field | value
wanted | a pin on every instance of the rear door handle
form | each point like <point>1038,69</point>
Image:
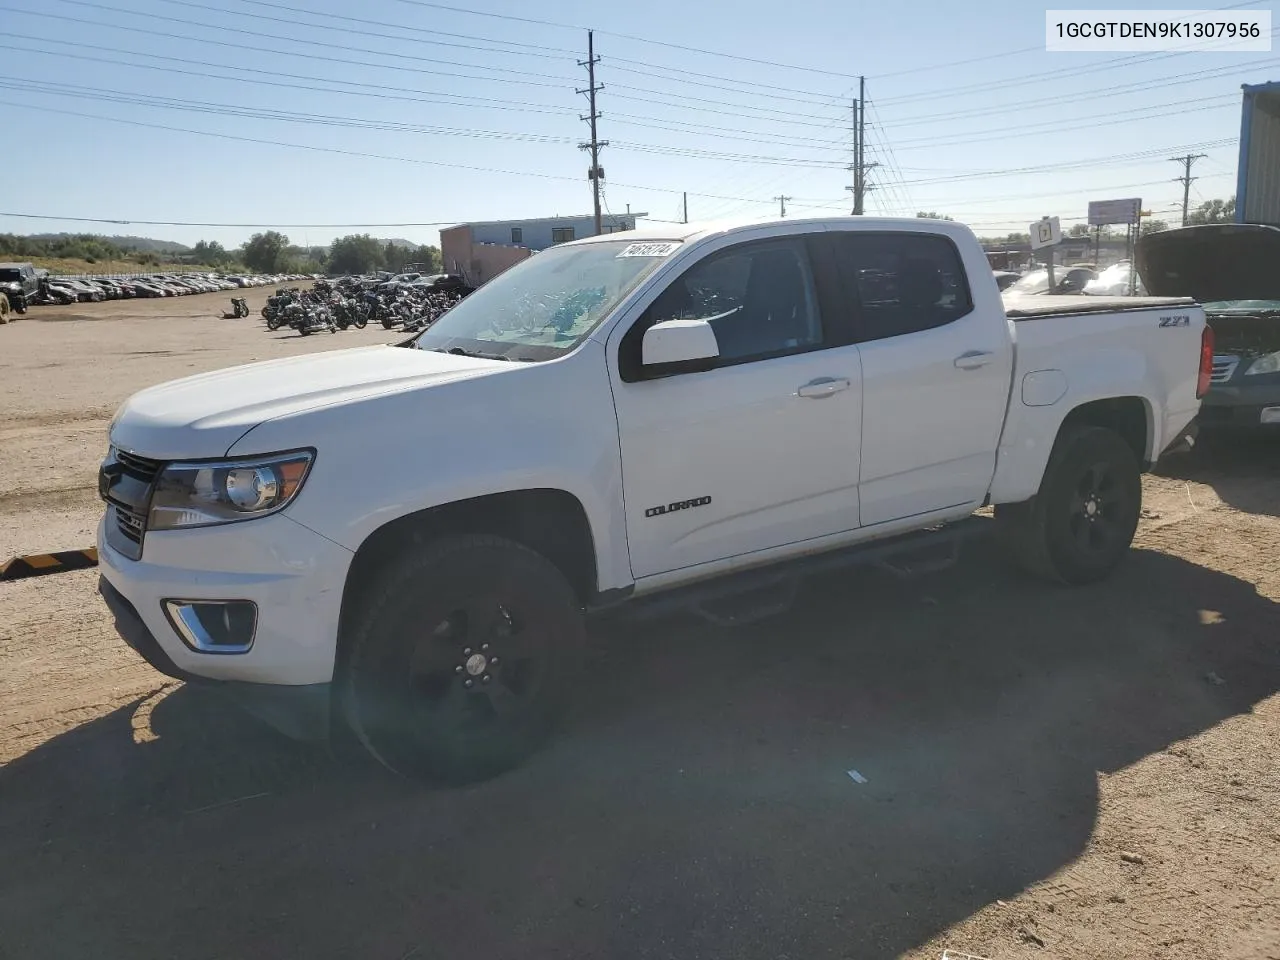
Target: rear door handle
<point>973,359</point>
<point>823,387</point>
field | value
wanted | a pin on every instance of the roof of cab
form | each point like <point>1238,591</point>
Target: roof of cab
<point>706,228</point>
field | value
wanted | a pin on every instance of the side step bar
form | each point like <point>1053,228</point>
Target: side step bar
<point>739,598</point>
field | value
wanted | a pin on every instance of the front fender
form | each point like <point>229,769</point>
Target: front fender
<point>547,425</point>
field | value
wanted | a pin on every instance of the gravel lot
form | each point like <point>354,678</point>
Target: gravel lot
<point>1049,772</point>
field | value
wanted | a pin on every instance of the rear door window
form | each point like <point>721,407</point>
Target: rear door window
<point>902,283</point>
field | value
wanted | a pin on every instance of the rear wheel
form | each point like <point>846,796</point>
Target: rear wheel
<point>463,661</point>
<point>1079,527</point>
<point>4,308</point>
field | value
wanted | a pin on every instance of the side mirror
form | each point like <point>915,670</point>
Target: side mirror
<point>678,346</point>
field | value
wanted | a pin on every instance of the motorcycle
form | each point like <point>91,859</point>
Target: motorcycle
<point>239,308</point>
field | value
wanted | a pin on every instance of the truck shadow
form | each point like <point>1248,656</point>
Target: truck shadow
<point>1242,469</point>
<point>698,804</point>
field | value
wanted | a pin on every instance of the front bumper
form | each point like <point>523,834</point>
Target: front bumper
<point>293,575</point>
<point>300,712</point>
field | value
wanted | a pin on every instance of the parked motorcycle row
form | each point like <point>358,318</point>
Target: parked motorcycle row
<point>355,302</point>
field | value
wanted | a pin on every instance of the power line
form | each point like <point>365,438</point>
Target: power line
<point>488,103</point>
<point>192,223</point>
<point>535,50</point>
<point>402,56</point>
<point>354,153</point>
<point>204,106</point>
<point>1064,72</point>
<point>1056,126</point>
<point>293,40</point>
<point>1170,80</point>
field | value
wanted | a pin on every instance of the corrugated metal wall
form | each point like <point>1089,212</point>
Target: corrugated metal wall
<point>1262,176</point>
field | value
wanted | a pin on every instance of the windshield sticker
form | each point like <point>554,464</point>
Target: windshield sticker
<point>662,248</point>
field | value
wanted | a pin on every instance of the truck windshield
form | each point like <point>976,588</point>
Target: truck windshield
<point>10,274</point>
<point>547,305</point>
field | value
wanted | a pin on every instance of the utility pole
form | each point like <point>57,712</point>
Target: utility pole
<point>1186,179</point>
<point>685,207</point>
<point>782,204</point>
<point>596,173</point>
<point>859,167</point>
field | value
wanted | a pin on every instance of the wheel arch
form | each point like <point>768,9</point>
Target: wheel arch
<point>551,522</point>
<point>1022,460</point>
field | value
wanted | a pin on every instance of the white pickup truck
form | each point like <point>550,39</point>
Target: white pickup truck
<point>404,540</point>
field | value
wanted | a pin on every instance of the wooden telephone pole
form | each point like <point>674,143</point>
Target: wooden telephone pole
<point>596,173</point>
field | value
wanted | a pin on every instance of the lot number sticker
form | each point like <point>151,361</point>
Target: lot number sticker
<point>659,249</point>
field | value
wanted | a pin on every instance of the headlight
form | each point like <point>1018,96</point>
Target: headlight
<point>202,494</point>
<point>1267,364</point>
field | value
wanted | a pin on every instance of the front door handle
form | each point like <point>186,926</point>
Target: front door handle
<point>973,359</point>
<point>823,387</point>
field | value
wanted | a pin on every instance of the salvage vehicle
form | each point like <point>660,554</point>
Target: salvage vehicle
<point>403,541</point>
<point>1067,280</point>
<point>1231,268</point>
<point>1115,281</point>
<point>19,286</point>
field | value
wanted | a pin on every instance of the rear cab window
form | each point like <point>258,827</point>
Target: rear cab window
<point>902,283</point>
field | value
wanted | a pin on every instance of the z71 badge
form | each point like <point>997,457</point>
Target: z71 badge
<point>1177,320</point>
<point>678,505</point>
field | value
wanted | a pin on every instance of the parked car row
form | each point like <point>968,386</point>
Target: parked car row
<point>87,289</point>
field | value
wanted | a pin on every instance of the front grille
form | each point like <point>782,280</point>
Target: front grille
<point>126,483</point>
<point>140,467</point>
<point>1224,365</point>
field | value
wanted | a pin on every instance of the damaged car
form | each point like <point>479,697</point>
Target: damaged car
<point>1233,270</point>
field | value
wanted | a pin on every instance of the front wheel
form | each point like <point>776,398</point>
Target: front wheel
<point>4,308</point>
<point>463,660</point>
<point>361,322</point>
<point>1079,527</point>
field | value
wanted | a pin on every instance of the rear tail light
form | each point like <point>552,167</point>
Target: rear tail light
<point>1206,361</point>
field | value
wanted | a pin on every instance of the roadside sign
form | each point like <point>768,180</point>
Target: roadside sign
<point>1105,212</point>
<point>1045,233</point>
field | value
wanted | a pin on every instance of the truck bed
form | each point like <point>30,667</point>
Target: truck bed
<point>1034,307</point>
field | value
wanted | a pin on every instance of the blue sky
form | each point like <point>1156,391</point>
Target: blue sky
<point>409,112</point>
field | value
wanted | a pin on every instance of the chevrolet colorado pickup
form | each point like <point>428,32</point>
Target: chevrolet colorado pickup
<point>403,541</point>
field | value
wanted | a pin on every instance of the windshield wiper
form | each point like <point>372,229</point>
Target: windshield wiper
<point>460,352</point>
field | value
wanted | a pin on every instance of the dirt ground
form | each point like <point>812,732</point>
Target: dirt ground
<point>1049,773</point>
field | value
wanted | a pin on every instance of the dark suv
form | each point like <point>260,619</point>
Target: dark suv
<point>19,285</point>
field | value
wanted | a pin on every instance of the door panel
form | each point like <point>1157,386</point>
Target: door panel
<point>936,375</point>
<point>777,467</point>
<point>930,427</point>
<point>761,451</point>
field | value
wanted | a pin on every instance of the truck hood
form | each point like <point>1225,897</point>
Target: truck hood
<point>1213,262</point>
<point>204,415</point>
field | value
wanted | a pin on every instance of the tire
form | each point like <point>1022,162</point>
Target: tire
<point>1079,527</point>
<point>360,322</point>
<point>4,308</point>
<point>414,690</point>
<point>305,330</point>
<point>388,323</point>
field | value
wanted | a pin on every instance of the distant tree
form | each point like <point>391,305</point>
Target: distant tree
<point>428,255</point>
<point>933,215</point>
<point>264,252</point>
<point>211,253</point>
<point>1153,226</point>
<point>1213,211</point>
<point>392,259</point>
<point>356,253</point>
<point>1079,230</point>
